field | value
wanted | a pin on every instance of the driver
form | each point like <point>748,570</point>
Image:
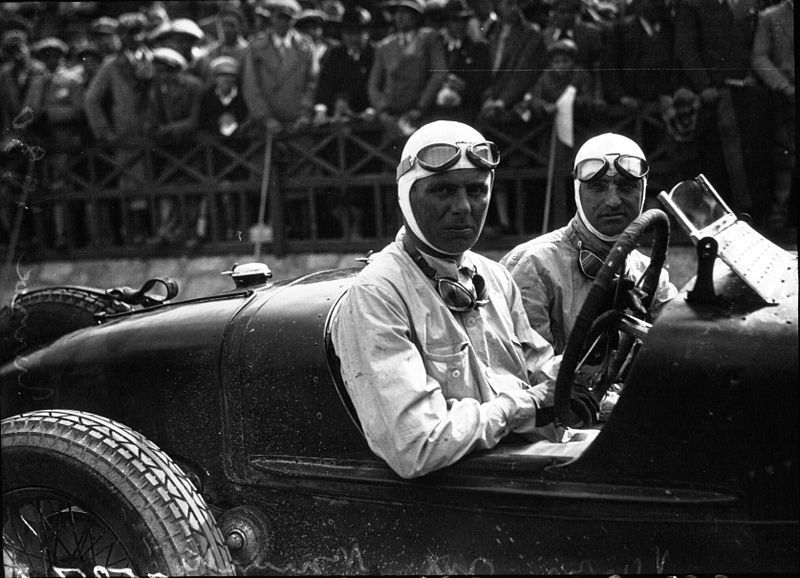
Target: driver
<point>436,351</point>
<point>555,271</point>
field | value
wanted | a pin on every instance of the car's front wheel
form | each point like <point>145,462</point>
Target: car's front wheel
<point>81,491</point>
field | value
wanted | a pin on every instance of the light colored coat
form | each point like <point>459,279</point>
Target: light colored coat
<point>773,48</point>
<point>279,86</point>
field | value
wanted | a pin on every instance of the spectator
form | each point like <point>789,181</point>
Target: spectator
<point>55,98</point>
<point>561,73</point>
<point>344,72</point>
<point>184,36</point>
<point>278,79</point>
<point>157,16</point>
<point>312,23</point>
<point>409,70</point>
<point>517,56</point>
<point>467,64</point>
<point>565,22</point>
<point>639,65</point>
<point>98,214</point>
<point>176,109</point>
<point>224,114</point>
<point>124,82</point>
<point>483,21</point>
<point>230,21</point>
<point>773,63</point>
<point>18,66</point>
<point>103,32</point>
<point>713,43</point>
<point>342,93</point>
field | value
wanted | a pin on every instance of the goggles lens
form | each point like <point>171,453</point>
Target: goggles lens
<point>439,157</point>
<point>459,298</point>
<point>589,263</point>
<point>628,166</point>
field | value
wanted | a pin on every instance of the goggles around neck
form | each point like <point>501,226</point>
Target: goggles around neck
<point>589,263</point>
<point>455,295</point>
<point>439,157</point>
<point>629,166</point>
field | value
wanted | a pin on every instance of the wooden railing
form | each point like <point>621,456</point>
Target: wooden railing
<point>310,174</point>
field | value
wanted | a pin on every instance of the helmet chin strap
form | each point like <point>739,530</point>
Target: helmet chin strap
<point>582,216</point>
<point>411,222</point>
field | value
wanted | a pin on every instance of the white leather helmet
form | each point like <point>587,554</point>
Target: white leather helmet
<point>598,147</point>
<point>439,131</point>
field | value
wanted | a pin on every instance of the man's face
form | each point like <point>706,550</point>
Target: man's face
<point>405,19</point>
<point>564,14</point>
<point>561,62</point>
<point>611,202</point>
<point>225,82</point>
<point>281,22</point>
<point>354,38</point>
<point>230,29</point>
<point>450,207</point>
<point>457,27</point>
<point>508,10</point>
<point>51,59</point>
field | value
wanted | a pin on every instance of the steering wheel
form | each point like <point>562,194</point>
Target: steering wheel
<point>592,308</point>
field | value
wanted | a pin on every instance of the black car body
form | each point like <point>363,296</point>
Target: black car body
<point>695,471</point>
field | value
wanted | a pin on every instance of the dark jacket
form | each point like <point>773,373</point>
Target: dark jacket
<point>639,65</point>
<point>470,62</point>
<point>523,59</point>
<point>341,76</point>
<point>713,43</point>
<point>403,78</point>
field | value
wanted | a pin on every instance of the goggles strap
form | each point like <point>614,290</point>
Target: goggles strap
<point>479,298</point>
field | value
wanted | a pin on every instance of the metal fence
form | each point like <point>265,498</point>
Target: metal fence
<point>102,203</point>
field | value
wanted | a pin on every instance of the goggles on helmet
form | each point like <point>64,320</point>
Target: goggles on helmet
<point>629,166</point>
<point>439,157</point>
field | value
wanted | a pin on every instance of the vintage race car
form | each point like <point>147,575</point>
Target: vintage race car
<point>241,452</point>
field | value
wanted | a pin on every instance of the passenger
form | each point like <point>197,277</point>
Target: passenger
<point>555,271</point>
<point>436,351</point>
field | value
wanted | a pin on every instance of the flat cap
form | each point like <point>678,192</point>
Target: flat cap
<point>414,5</point>
<point>104,25</point>
<point>50,43</point>
<point>290,7</point>
<point>170,57</point>
<point>224,65</point>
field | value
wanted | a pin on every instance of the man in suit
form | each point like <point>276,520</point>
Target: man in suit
<point>278,80</point>
<point>345,68</point>
<point>409,69</point>
<point>467,63</point>
<point>565,22</point>
<point>639,65</point>
<point>773,63</point>
<point>517,57</point>
<point>713,42</point>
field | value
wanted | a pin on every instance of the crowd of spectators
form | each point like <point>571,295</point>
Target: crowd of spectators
<point>119,74</point>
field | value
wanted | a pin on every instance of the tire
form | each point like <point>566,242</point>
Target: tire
<point>39,317</point>
<point>81,491</point>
